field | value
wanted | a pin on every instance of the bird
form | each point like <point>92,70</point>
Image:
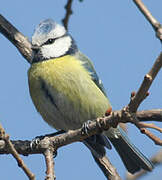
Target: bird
<point>67,92</point>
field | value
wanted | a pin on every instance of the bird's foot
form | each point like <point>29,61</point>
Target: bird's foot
<point>85,127</point>
<point>36,141</point>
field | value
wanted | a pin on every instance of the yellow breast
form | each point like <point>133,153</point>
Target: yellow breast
<point>64,93</point>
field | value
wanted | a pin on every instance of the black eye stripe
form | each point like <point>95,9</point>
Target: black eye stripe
<point>49,41</point>
<point>52,40</point>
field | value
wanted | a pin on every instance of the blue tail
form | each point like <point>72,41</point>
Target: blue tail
<point>132,158</point>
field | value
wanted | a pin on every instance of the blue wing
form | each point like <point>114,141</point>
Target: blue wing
<point>89,66</point>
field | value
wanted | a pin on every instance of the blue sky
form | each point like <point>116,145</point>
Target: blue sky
<point>122,46</point>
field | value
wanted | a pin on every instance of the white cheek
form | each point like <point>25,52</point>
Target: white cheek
<point>57,49</point>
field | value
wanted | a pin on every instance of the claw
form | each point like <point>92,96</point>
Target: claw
<point>55,154</point>
<point>34,143</point>
<point>85,127</point>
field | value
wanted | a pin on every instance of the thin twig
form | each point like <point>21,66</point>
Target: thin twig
<point>154,138</point>
<point>137,99</point>
<point>148,79</point>
<point>155,24</point>
<point>149,125</point>
<point>146,12</point>
<point>126,116</point>
<point>69,12</point>
<point>49,164</point>
<point>15,154</point>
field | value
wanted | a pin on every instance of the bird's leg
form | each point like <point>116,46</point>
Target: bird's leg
<point>85,129</point>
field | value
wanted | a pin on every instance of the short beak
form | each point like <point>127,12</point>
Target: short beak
<point>35,48</point>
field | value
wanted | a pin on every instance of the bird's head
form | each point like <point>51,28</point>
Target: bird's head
<point>51,40</point>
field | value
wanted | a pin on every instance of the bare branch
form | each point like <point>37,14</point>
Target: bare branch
<point>155,139</point>
<point>142,93</point>
<point>69,12</point>
<point>125,115</point>
<point>155,24</point>
<point>143,90</point>
<point>17,39</point>
<point>23,147</point>
<point>49,164</point>
<point>150,115</point>
<point>150,125</point>
<point>15,154</point>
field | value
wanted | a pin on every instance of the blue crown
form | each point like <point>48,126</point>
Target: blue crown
<point>45,26</point>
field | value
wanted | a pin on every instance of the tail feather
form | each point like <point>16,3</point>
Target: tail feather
<point>132,158</point>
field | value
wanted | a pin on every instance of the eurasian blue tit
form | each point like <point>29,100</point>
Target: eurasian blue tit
<point>67,92</point>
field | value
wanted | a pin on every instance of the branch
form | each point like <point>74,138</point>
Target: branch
<point>155,139</point>
<point>142,93</point>
<point>97,126</point>
<point>16,38</point>
<point>49,164</point>
<point>23,147</point>
<point>125,115</point>
<point>155,24</point>
<point>69,12</point>
<point>150,115</point>
<point>143,90</point>
<point>14,153</point>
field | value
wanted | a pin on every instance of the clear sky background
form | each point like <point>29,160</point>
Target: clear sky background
<point>123,47</point>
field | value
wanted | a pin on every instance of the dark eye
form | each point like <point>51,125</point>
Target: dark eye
<point>49,41</point>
